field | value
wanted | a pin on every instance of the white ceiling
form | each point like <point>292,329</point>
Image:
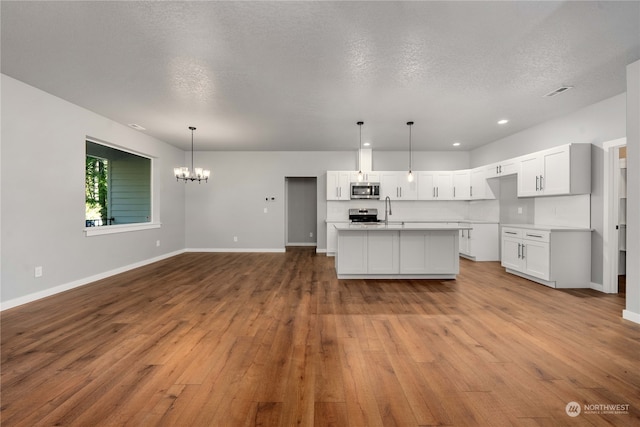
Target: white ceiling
<point>299,75</point>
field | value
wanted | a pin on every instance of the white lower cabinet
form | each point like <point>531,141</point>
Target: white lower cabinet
<point>383,253</point>
<point>429,253</point>
<point>368,253</point>
<point>352,253</point>
<point>559,258</point>
<point>481,243</point>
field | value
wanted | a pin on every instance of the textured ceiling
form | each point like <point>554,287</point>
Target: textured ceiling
<point>299,75</point>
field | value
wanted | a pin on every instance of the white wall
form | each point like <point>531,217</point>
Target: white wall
<point>595,124</point>
<point>43,150</point>
<point>633,192</point>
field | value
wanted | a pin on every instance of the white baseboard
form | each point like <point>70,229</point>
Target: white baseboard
<point>301,244</point>
<point>235,250</point>
<point>597,287</point>
<point>631,316</point>
<point>81,282</point>
<point>321,251</point>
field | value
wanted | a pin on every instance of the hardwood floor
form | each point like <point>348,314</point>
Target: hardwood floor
<point>207,339</point>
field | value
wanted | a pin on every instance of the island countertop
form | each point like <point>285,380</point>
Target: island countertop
<point>400,226</point>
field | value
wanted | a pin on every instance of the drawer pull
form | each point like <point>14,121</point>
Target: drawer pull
<point>510,232</point>
<point>535,235</point>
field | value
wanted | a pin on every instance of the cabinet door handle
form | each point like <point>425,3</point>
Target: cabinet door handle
<point>500,168</point>
<point>523,250</point>
<point>471,190</point>
<point>519,250</point>
<point>400,192</point>
<point>468,234</point>
<point>537,177</point>
<point>454,192</point>
<point>434,192</point>
<point>541,182</point>
<point>437,191</point>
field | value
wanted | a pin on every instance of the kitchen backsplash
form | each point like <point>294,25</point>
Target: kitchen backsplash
<point>403,210</point>
<point>569,211</point>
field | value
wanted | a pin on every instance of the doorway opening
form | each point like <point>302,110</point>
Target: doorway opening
<point>615,216</point>
<point>301,212</point>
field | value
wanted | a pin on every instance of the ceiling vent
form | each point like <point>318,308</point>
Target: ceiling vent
<point>558,91</point>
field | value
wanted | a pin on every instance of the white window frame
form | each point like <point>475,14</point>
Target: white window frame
<point>155,205</point>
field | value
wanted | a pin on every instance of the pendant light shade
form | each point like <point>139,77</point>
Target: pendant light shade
<point>195,174</point>
<point>360,174</point>
<point>410,175</point>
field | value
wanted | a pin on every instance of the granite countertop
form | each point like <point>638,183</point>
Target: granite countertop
<point>423,221</point>
<point>398,225</point>
<point>544,227</point>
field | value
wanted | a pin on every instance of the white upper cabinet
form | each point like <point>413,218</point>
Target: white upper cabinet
<point>338,184</point>
<point>397,186</point>
<point>461,185</point>
<point>367,177</point>
<point>435,185</point>
<point>480,188</point>
<point>503,168</point>
<point>557,171</point>
<point>562,170</point>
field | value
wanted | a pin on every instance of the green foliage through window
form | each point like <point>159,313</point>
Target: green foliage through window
<point>96,186</point>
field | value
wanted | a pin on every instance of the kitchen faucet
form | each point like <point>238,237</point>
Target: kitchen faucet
<point>387,212</point>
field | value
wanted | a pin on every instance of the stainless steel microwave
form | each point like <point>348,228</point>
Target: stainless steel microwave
<point>365,190</point>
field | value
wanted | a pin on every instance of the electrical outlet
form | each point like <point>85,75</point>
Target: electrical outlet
<point>266,210</point>
<point>310,234</point>
<point>235,238</point>
<point>157,242</point>
<point>519,210</point>
<point>38,271</point>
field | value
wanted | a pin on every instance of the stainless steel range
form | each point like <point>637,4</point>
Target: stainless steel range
<point>363,215</point>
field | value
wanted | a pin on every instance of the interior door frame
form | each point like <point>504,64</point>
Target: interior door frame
<point>286,210</point>
<point>611,215</point>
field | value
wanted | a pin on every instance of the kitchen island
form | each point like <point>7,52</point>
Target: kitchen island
<point>398,250</point>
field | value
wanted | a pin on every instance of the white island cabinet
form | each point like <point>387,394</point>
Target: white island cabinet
<point>423,251</point>
<point>429,252</point>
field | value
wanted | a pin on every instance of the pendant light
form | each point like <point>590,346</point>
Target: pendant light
<point>196,174</point>
<point>360,174</point>
<point>410,175</point>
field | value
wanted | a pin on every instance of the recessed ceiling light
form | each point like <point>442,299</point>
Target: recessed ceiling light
<point>456,144</point>
<point>503,122</point>
<point>366,144</point>
<point>136,127</point>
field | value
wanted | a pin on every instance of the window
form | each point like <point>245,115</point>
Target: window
<point>117,188</point>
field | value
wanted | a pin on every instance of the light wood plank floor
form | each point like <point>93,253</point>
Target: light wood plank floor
<point>206,339</point>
